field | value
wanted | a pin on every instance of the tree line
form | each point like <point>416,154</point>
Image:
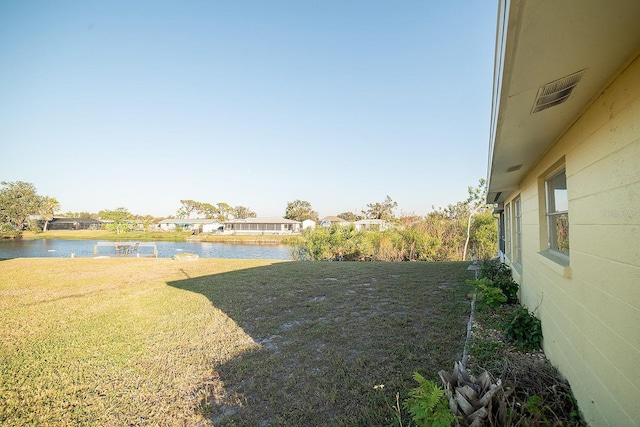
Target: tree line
<point>18,202</point>
<point>220,211</point>
<point>456,232</point>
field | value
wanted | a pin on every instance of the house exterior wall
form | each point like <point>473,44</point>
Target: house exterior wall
<point>590,304</point>
<point>262,228</point>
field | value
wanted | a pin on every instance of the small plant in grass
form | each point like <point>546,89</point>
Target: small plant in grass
<point>428,405</point>
<point>488,292</point>
<point>524,328</point>
<point>395,407</point>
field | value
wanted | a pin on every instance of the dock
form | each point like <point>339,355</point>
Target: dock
<point>127,248</point>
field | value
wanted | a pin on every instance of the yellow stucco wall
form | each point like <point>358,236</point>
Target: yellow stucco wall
<point>590,310</point>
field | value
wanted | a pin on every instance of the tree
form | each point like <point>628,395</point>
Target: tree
<point>118,214</point>
<point>187,208</point>
<point>299,210</point>
<point>349,216</point>
<point>120,218</point>
<point>242,212</point>
<point>208,210</point>
<point>18,200</point>
<point>484,235</point>
<point>81,215</point>
<point>224,211</point>
<point>474,203</point>
<point>382,210</point>
<point>48,207</point>
<point>147,221</point>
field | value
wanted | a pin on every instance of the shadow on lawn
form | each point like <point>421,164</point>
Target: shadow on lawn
<point>325,333</point>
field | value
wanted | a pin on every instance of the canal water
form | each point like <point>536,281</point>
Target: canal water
<point>54,248</point>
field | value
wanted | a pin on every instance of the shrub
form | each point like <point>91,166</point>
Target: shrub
<point>500,274</point>
<point>488,292</point>
<point>523,328</point>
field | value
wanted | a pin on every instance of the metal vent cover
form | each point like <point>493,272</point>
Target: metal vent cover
<point>556,92</point>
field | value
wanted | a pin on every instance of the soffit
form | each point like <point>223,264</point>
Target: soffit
<point>545,40</point>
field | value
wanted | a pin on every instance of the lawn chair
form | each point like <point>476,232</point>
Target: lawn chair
<point>133,248</point>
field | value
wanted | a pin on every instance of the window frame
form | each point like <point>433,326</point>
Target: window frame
<point>507,232</point>
<point>550,200</point>
<point>517,241</point>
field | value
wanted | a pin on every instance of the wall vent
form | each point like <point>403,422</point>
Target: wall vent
<point>515,168</point>
<point>556,92</point>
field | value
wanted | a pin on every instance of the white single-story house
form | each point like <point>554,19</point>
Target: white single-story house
<point>264,225</point>
<point>197,225</point>
<point>308,223</point>
<point>328,221</point>
<point>564,171</point>
<point>372,224</point>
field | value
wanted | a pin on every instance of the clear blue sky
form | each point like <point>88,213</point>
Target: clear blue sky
<point>107,104</point>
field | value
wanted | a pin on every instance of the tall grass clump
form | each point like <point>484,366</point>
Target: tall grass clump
<point>332,243</point>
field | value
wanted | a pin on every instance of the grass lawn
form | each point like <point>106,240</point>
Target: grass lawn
<point>221,342</point>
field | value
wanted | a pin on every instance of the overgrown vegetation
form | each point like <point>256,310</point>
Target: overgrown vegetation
<point>438,237</point>
<point>506,342</point>
<point>500,275</point>
<point>458,232</point>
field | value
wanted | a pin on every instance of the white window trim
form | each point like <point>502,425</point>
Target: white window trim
<point>561,257</point>
<point>507,232</point>
<point>517,230</point>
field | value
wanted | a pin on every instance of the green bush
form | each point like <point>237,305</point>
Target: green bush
<point>500,274</point>
<point>523,328</point>
<point>428,405</point>
<point>488,293</point>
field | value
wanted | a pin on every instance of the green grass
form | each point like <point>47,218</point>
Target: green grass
<point>221,342</point>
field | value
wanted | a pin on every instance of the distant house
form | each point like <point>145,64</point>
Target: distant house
<point>328,221</point>
<point>564,171</point>
<point>265,225</point>
<point>196,225</point>
<point>372,224</point>
<point>74,224</point>
<point>308,223</point>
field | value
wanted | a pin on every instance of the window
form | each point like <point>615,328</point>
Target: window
<point>517,249</point>
<point>557,212</point>
<point>507,233</point>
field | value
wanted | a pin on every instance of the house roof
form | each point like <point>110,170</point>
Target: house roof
<point>262,220</point>
<point>541,42</point>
